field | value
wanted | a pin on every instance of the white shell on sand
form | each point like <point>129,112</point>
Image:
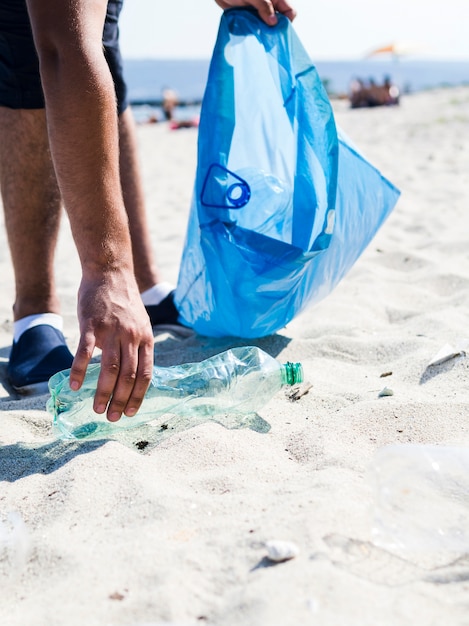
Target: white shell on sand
<point>279,551</point>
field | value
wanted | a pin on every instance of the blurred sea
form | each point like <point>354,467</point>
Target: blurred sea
<point>147,78</point>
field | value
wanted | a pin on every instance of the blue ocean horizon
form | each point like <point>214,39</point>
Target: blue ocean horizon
<point>147,78</point>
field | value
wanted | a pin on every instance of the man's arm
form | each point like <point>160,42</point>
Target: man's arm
<point>83,135</point>
<point>266,8</point>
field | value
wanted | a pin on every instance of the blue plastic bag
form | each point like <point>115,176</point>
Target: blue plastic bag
<point>282,205</point>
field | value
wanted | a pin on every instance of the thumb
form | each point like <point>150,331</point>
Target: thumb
<point>82,358</point>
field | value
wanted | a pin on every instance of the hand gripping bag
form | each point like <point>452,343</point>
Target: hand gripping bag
<point>282,205</point>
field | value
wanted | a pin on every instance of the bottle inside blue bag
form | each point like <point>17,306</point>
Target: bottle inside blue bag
<point>237,381</point>
<point>253,198</point>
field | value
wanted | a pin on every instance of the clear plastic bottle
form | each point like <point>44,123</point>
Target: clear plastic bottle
<point>240,380</point>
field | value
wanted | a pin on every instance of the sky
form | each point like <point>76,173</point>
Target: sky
<point>328,29</point>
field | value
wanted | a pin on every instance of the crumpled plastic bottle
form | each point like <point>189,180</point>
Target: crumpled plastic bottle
<point>240,380</point>
<point>421,498</point>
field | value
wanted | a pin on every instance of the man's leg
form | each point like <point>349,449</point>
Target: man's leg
<point>32,207</point>
<point>157,295</point>
<point>146,271</point>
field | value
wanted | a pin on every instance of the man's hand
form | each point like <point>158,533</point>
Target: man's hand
<point>265,8</point>
<point>113,318</point>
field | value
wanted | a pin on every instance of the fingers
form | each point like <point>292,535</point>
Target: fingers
<point>142,382</point>
<point>284,7</point>
<point>266,8</point>
<point>82,358</point>
<point>114,378</point>
<point>124,379</point>
<point>266,11</point>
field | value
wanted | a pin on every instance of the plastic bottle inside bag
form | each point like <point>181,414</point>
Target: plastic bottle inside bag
<point>250,197</point>
<point>421,498</point>
<point>269,208</point>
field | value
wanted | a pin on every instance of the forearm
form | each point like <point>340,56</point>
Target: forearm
<point>82,125</point>
<point>84,139</point>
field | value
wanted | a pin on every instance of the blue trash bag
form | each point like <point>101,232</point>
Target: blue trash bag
<point>283,205</point>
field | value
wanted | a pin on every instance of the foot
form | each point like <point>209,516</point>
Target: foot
<point>39,353</point>
<point>165,316</point>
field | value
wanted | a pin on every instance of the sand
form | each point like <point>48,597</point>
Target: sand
<point>106,533</point>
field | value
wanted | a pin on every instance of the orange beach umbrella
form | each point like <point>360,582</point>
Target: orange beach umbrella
<point>397,49</point>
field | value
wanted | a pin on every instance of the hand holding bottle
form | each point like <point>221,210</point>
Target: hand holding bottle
<point>241,381</point>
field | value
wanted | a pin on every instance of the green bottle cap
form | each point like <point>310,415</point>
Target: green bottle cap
<point>292,373</point>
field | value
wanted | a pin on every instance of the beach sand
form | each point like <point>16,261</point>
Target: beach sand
<point>117,534</point>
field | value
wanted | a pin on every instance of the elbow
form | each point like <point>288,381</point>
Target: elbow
<point>63,38</point>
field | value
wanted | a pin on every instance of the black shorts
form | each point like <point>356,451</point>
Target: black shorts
<point>20,81</point>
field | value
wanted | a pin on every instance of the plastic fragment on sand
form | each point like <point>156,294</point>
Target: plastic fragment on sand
<point>298,391</point>
<point>446,353</point>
